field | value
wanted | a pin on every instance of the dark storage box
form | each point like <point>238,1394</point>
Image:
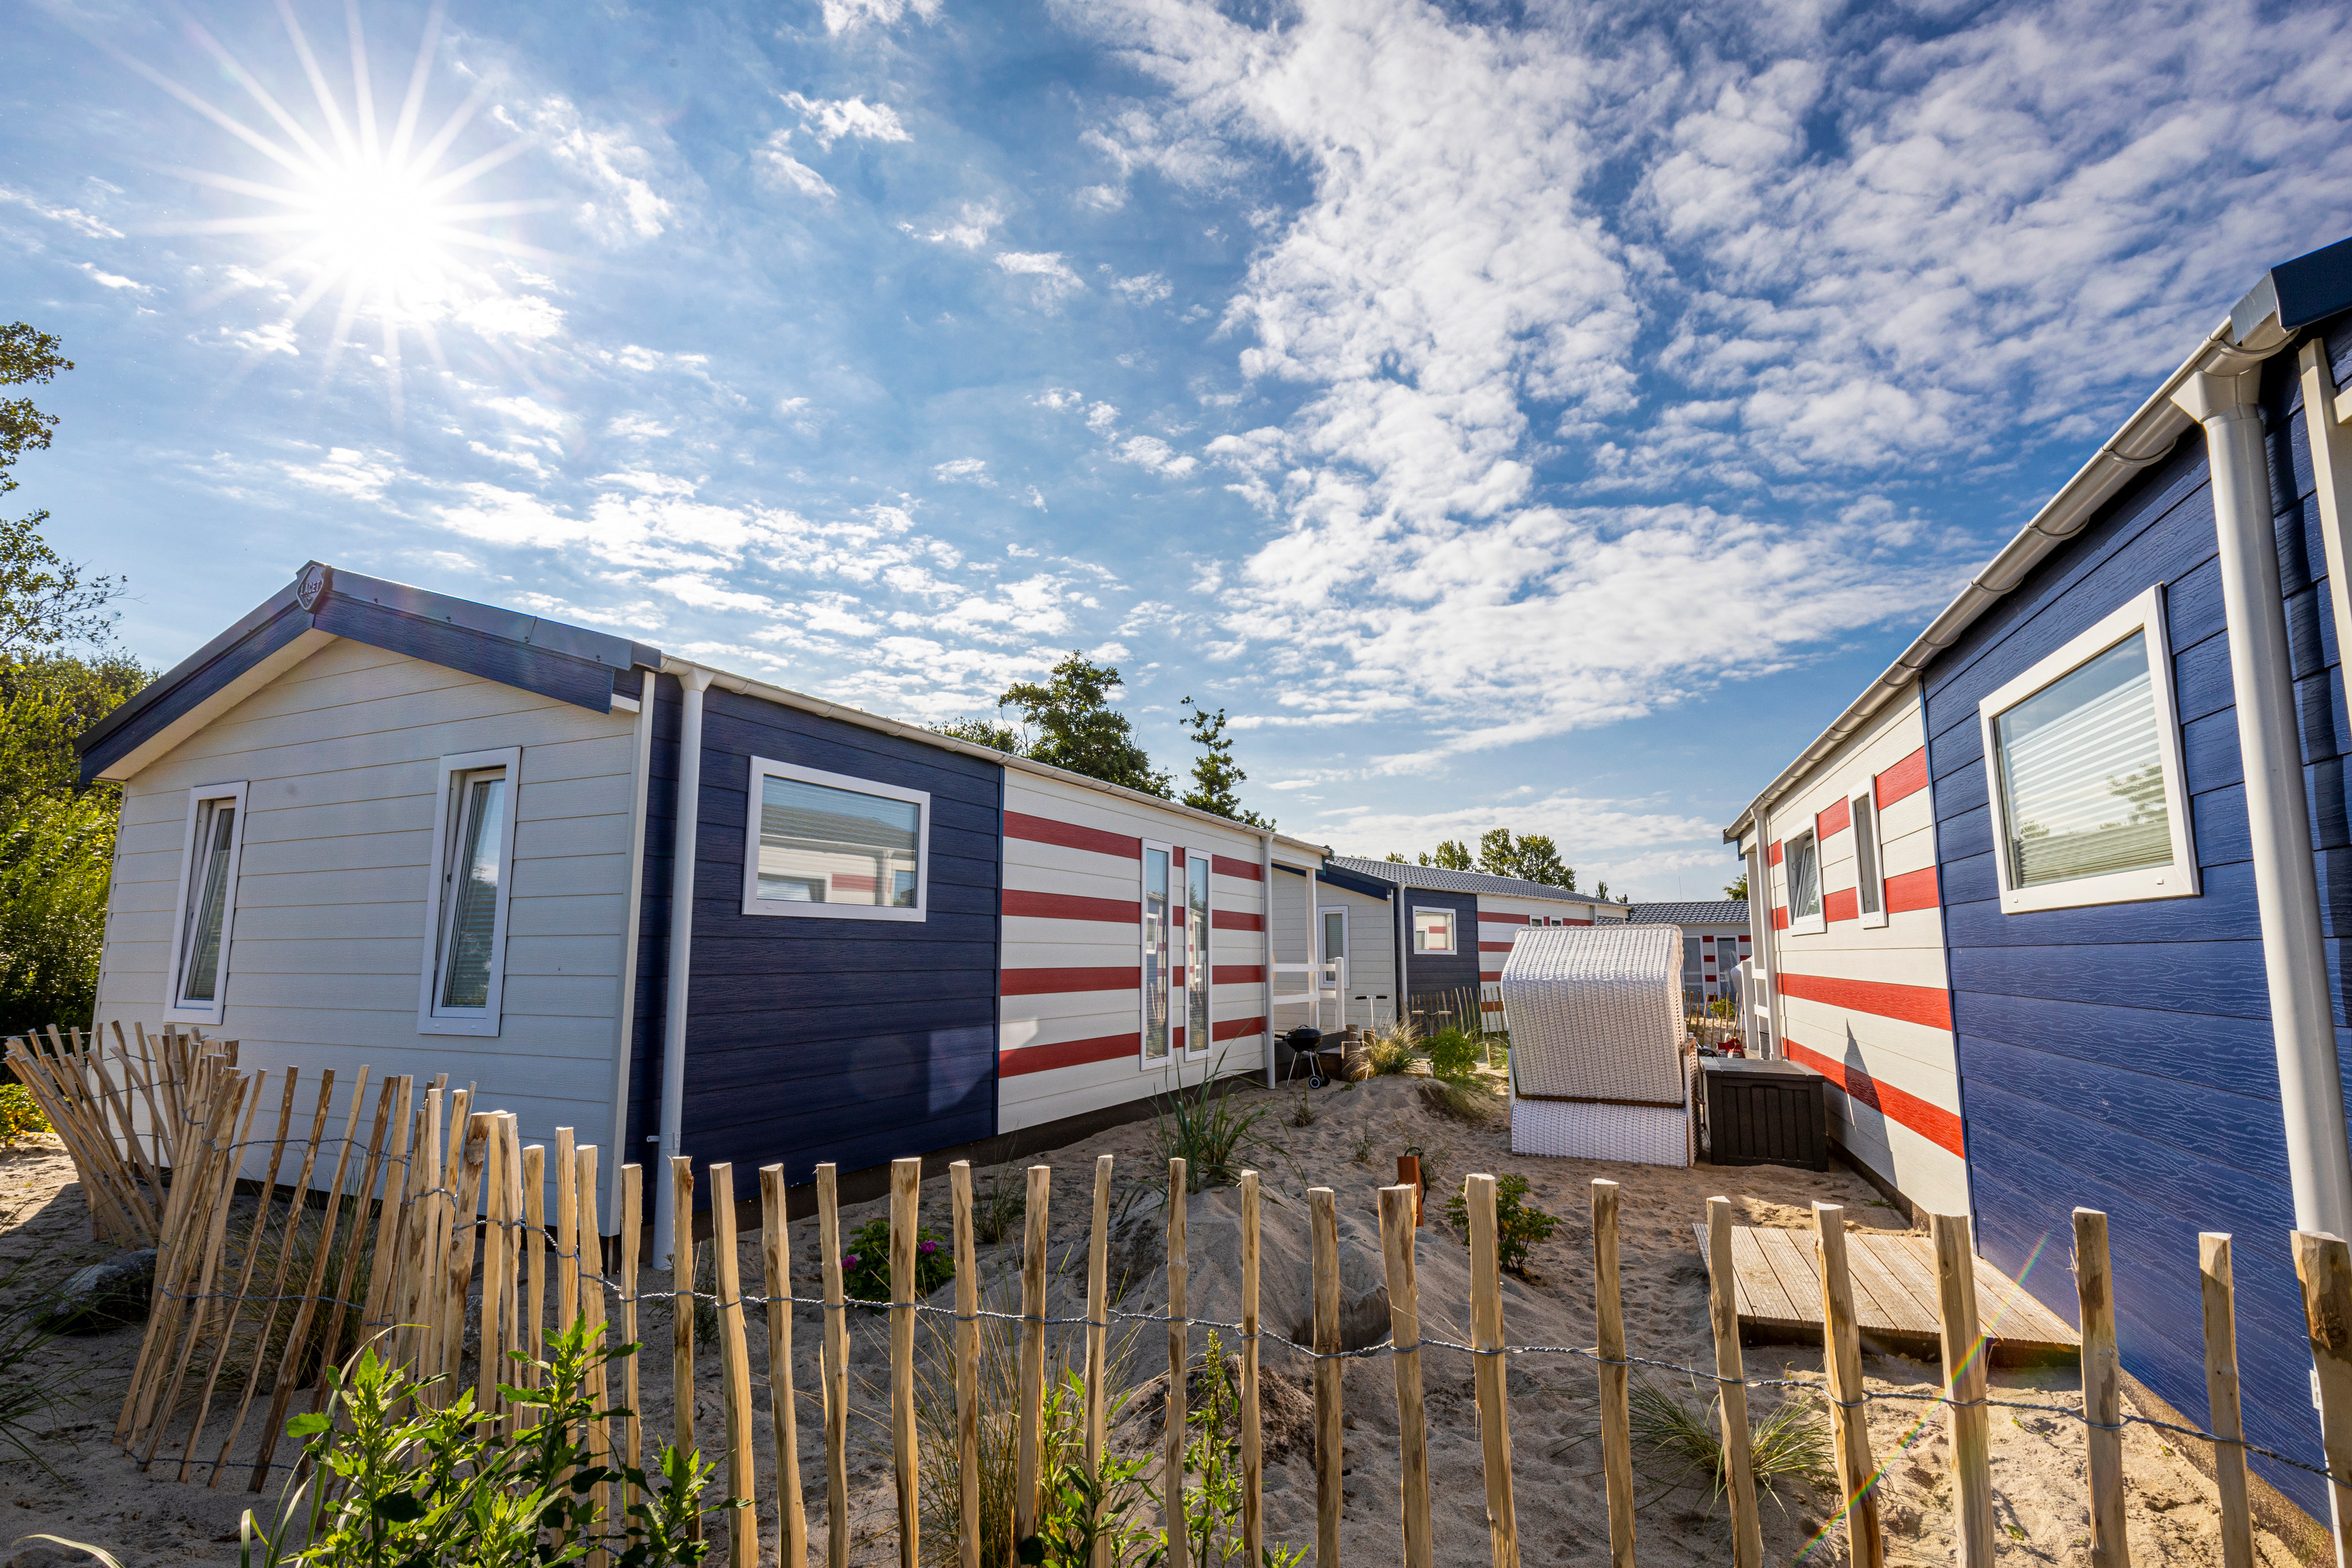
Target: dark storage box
<point>1763,1113</point>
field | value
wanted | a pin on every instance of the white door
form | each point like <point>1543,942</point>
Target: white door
<point>1332,933</point>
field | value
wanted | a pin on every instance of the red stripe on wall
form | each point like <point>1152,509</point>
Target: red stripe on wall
<point>1070,907</point>
<point>1836,819</point>
<point>1237,974</point>
<point>1780,918</point>
<point>1226,866</point>
<point>1926,1005</point>
<point>1489,917</point>
<point>1494,947</point>
<point>1909,776</point>
<point>1058,981</point>
<point>1911,890</point>
<point>1485,974</point>
<point>1930,1120</point>
<point>1845,904</point>
<point>1235,920</point>
<point>1067,1054</point>
<point>1772,853</point>
<point>1235,1028</point>
<point>1070,835</point>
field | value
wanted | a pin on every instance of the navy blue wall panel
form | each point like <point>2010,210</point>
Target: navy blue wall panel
<point>853,1041</point>
<point>2120,1056</point>
<point>1432,972</point>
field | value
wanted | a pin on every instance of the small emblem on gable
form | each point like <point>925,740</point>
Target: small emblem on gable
<point>312,587</point>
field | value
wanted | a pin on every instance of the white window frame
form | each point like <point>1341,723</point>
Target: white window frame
<point>1177,1016</point>
<point>1198,1051</point>
<point>2144,614</point>
<point>481,1022</point>
<point>1864,797</point>
<point>1818,921</point>
<point>1453,947</point>
<point>174,1010</point>
<point>764,768</point>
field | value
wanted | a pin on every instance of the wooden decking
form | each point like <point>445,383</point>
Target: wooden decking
<point>1779,1295</point>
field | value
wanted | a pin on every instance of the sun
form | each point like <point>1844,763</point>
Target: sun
<point>363,213</point>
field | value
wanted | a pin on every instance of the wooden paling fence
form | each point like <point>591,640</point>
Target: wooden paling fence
<point>119,1155</point>
<point>432,1225</point>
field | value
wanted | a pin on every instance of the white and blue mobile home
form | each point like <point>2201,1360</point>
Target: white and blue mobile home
<point>2061,903</point>
<point>678,909</point>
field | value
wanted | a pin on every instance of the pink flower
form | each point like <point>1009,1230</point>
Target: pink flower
<point>850,1261</point>
<point>930,1247</point>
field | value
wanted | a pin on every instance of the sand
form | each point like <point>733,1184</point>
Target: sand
<point>98,1495</point>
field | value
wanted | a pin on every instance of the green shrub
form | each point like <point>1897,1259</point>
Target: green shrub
<point>1390,1052</point>
<point>1792,1444</point>
<point>1453,1055</point>
<point>1213,1462</point>
<point>1518,1224</point>
<point>20,1115</point>
<point>866,1262</point>
<point>1467,1100</point>
<point>1207,1132</point>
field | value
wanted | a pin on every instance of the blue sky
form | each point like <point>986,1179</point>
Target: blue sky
<point>1534,416</point>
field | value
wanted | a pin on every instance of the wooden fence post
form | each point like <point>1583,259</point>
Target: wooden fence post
<point>1849,1417</point>
<point>681,1303</point>
<point>783,1420</point>
<point>494,1188</point>
<point>1039,1193</point>
<point>2323,1265</point>
<point>1405,1332</point>
<point>905,1206</point>
<point>742,1523</point>
<point>591,1327</point>
<point>1253,1436</point>
<point>1964,1384</point>
<point>1097,1334</point>
<point>567,1230</point>
<point>534,1239</point>
<point>1731,1388</point>
<point>631,1223</point>
<point>837,1371</point>
<point>2095,1286</point>
<point>1323,1222</point>
<point>1180,1357</point>
<point>1616,1410</point>
<point>1493,1391</point>
<point>2222,1417</point>
<point>967,1367</point>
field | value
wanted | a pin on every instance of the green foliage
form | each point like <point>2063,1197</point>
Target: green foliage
<point>1207,1132</point>
<point>986,733</point>
<point>1453,1055</point>
<point>20,1115</point>
<point>27,356</point>
<point>1453,854</point>
<point>55,858</point>
<point>1736,890</point>
<point>1792,1445</point>
<point>1215,776</point>
<point>866,1262</point>
<point>393,1482</point>
<point>1212,1466</point>
<point>1531,856</point>
<point>1090,1518</point>
<point>1074,726</point>
<point>1518,1224</point>
<point>1390,1051</point>
<point>1467,1102</point>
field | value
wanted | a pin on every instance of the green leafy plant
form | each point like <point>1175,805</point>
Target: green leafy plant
<point>390,1481</point>
<point>1453,1055</point>
<point>1212,1467</point>
<point>1206,1131</point>
<point>1467,1102</point>
<point>1090,1517</point>
<point>997,1212</point>
<point>20,1115</point>
<point>866,1262</point>
<point>1518,1224</point>
<point>1792,1445</point>
<point>1392,1051</point>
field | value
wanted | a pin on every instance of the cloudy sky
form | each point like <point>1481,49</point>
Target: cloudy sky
<point>1534,415</point>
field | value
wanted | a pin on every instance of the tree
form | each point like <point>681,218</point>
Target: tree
<point>1214,773</point>
<point>44,599</point>
<point>986,733</point>
<point>1736,892</point>
<point>1532,857</point>
<point>1072,725</point>
<point>1453,854</point>
<point>27,356</point>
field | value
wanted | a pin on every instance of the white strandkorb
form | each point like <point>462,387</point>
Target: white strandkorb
<point>1598,1044</point>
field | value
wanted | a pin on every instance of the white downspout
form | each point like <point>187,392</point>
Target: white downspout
<point>625,1042</point>
<point>2286,886</point>
<point>692,681</point>
<point>1265,910</point>
<point>1315,957</point>
<point>1404,950</point>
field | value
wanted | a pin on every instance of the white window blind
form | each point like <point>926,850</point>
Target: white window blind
<point>1866,853</point>
<point>212,846</point>
<point>2082,775</point>
<point>470,891</point>
<point>1804,876</point>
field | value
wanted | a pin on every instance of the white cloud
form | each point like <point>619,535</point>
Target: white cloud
<point>106,280</point>
<point>1102,418</point>
<point>1151,452</point>
<point>607,158</point>
<point>512,316</point>
<point>1055,280</point>
<point>346,472</point>
<point>778,167</point>
<point>1147,289</point>
<point>969,231</point>
<point>636,427</point>
<point>269,338</point>
<point>831,119</point>
<point>842,15</point>
<point>73,217</point>
<point>962,471</point>
<point>1060,399</point>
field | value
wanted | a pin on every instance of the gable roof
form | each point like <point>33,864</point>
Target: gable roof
<point>1437,879</point>
<point>570,664</point>
<point>1702,912</point>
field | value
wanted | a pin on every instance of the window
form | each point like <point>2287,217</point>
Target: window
<point>473,866</point>
<point>1801,868</point>
<point>1869,870</point>
<point>1199,970</point>
<point>830,847</point>
<point>2083,759</point>
<point>1433,931</point>
<point>198,978</point>
<point>1156,957</point>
